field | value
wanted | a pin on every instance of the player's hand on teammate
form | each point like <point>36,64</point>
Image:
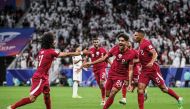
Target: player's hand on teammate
<point>150,64</point>
<point>86,65</point>
<point>86,52</point>
<point>78,70</point>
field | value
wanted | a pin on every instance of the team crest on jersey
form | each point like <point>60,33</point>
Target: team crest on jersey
<point>97,53</point>
<point>119,56</point>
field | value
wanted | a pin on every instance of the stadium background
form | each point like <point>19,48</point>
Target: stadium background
<point>166,23</point>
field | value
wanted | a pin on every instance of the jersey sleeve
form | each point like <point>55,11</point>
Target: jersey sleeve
<point>111,52</point>
<point>55,53</point>
<point>149,46</point>
<point>132,57</point>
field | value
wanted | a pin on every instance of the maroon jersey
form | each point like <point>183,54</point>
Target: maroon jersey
<point>119,67</point>
<point>96,54</point>
<point>145,56</point>
<point>45,58</point>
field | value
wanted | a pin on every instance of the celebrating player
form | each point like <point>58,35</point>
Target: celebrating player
<point>40,82</point>
<point>118,73</point>
<point>99,71</point>
<point>150,70</point>
<point>136,72</point>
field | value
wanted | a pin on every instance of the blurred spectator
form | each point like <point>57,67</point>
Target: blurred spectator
<point>187,78</point>
<point>166,23</point>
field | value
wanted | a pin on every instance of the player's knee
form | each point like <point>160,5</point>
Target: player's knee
<point>101,86</point>
<point>107,93</point>
<point>165,90</point>
<point>47,95</point>
<point>141,90</point>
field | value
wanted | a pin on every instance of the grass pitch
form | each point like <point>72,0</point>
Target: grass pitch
<point>61,98</point>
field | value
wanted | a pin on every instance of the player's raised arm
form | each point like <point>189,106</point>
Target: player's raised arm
<point>154,57</point>
<point>64,54</point>
<point>95,62</point>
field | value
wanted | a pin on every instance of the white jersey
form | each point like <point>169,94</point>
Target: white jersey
<point>77,76</point>
<point>77,58</point>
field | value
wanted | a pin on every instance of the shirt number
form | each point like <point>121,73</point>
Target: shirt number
<point>40,58</point>
<point>142,53</point>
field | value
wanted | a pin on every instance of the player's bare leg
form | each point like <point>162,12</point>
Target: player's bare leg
<point>173,94</point>
<point>23,102</point>
<point>102,88</point>
<point>111,98</point>
<point>141,91</point>
<point>47,100</point>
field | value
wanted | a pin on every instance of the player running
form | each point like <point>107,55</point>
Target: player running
<point>136,72</point>
<point>99,70</point>
<point>118,73</point>
<point>40,82</point>
<point>150,70</point>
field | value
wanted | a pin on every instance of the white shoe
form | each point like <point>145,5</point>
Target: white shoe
<point>122,101</point>
<point>102,103</point>
<point>77,96</point>
<point>9,107</point>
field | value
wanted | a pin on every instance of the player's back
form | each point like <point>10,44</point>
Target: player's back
<point>45,59</point>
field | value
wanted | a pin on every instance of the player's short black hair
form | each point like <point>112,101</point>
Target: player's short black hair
<point>95,38</point>
<point>47,40</point>
<point>123,35</point>
<point>140,31</point>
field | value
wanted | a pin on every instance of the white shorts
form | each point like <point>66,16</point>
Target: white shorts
<point>77,76</point>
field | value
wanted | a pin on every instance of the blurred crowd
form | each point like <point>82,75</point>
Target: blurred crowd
<point>9,17</point>
<point>165,22</point>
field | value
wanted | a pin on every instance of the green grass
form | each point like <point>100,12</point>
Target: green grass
<point>61,99</point>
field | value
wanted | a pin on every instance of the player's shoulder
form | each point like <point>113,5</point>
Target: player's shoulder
<point>92,48</point>
<point>145,43</point>
<point>52,51</point>
<point>114,48</point>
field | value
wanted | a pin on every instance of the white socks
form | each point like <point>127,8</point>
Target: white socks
<point>75,88</point>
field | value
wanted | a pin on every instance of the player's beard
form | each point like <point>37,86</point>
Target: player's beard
<point>121,47</point>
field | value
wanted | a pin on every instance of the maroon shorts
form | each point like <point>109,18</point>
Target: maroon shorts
<point>154,75</point>
<point>100,75</point>
<point>110,83</point>
<point>39,86</point>
<point>135,78</point>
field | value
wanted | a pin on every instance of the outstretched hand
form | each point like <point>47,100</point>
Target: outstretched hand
<point>86,52</point>
<point>78,70</point>
<point>86,65</point>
